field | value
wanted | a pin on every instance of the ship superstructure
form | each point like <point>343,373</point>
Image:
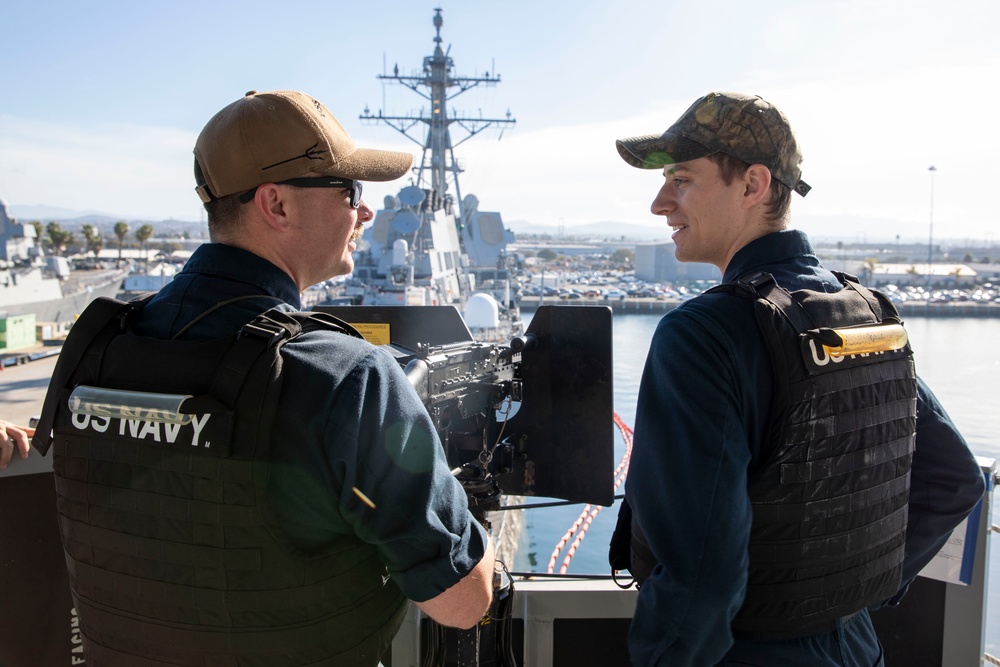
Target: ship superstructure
<point>44,285</point>
<point>429,245</point>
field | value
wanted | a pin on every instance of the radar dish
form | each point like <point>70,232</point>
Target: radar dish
<point>470,203</point>
<point>390,203</point>
<point>482,312</point>
<point>411,195</point>
<point>405,222</point>
<point>490,228</point>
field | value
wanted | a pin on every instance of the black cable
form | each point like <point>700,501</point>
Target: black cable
<point>505,636</point>
<point>432,647</point>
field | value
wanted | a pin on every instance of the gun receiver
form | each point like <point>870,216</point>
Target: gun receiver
<point>533,417</point>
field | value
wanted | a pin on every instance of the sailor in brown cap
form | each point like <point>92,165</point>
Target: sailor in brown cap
<point>288,519</point>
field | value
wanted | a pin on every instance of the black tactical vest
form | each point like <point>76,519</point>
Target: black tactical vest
<point>174,554</point>
<point>830,503</point>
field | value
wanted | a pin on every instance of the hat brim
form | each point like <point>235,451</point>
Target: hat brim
<point>654,152</point>
<point>370,164</point>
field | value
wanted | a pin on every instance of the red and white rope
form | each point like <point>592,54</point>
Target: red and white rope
<point>586,518</point>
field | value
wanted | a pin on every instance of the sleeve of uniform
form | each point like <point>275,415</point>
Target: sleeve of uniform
<point>397,491</point>
<point>946,482</point>
<point>688,477</point>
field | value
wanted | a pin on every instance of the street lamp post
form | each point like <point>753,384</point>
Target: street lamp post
<point>930,236</point>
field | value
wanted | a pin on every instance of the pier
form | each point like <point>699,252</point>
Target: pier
<point>630,305</point>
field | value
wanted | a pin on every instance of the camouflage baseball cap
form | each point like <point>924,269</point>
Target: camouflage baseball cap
<point>744,126</point>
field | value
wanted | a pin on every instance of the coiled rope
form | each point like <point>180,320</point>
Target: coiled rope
<point>586,518</point>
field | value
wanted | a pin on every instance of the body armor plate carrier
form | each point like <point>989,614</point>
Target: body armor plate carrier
<point>174,553</point>
<point>830,502</point>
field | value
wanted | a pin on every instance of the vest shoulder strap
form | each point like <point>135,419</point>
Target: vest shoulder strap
<point>273,328</point>
<point>102,317</point>
<point>762,286</point>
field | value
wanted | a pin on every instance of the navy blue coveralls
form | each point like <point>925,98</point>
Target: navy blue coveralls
<point>369,432</point>
<point>701,419</point>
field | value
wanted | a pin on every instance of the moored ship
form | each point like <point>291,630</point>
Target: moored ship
<point>31,283</point>
<point>429,245</point>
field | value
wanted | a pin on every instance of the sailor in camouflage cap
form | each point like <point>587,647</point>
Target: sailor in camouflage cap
<point>731,401</point>
<point>743,126</point>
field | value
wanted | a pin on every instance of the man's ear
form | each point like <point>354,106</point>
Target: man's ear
<point>757,184</point>
<point>270,203</point>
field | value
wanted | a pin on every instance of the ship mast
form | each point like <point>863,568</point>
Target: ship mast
<point>438,165</point>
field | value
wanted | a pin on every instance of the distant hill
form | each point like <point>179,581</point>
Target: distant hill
<point>598,230</point>
<point>54,213</point>
<point>821,229</point>
<point>603,230</point>
<point>73,220</point>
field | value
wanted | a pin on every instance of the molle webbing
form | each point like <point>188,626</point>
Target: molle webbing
<point>830,503</point>
<point>174,554</point>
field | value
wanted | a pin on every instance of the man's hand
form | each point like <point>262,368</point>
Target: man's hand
<point>12,435</point>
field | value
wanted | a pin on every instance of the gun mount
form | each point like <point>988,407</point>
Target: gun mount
<point>532,418</point>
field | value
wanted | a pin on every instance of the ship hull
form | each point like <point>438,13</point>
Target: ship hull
<point>68,306</point>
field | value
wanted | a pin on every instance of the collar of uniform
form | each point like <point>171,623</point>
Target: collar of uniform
<point>234,263</point>
<point>768,250</point>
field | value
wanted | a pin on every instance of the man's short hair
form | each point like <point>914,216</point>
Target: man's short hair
<point>777,205</point>
<point>224,213</point>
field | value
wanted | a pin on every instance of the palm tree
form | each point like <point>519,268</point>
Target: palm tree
<point>58,237</point>
<point>95,243</point>
<point>142,235</point>
<point>121,229</point>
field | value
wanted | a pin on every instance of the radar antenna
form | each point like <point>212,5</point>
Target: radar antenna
<point>438,168</point>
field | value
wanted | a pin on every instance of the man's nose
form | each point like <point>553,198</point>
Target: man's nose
<point>365,212</point>
<point>663,203</point>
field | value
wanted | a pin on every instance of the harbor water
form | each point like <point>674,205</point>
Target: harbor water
<point>958,357</point>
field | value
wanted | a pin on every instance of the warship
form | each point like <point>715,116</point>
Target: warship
<point>32,283</point>
<point>430,245</point>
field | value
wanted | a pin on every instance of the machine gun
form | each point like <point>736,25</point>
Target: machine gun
<point>533,417</point>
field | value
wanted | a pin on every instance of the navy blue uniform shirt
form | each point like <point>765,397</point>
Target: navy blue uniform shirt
<point>338,427</point>
<point>701,418</point>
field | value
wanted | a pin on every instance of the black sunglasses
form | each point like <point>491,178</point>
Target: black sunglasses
<point>316,182</point>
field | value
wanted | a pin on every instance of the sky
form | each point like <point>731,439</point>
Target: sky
<point>101,102</point>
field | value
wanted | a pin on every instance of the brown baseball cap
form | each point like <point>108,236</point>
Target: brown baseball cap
<point>744,126</point>
<point>274,136</point>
